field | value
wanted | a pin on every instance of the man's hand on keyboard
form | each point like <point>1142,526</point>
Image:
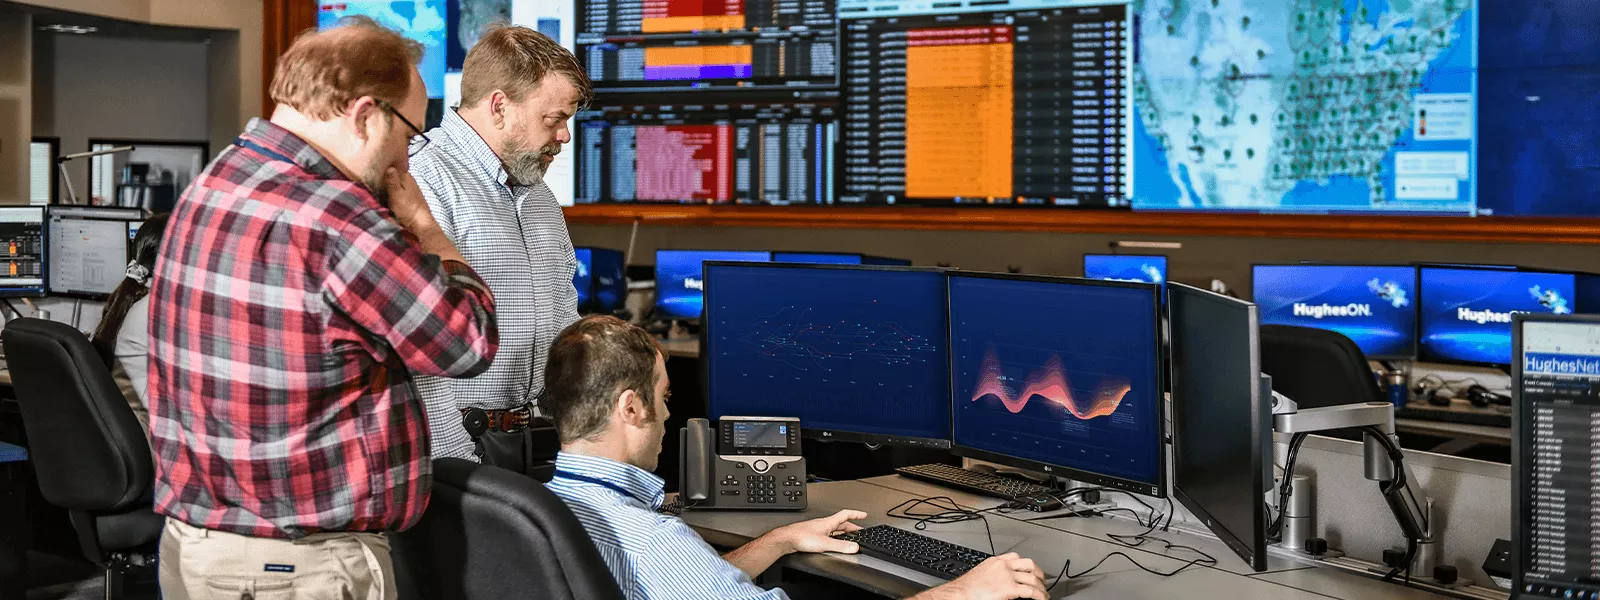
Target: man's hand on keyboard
<point>1002,577</point>
<point>816,535</point>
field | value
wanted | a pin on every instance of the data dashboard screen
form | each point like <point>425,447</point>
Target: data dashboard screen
<point>1061,373</point>
<point>745,153</point>
<point>988,102</point>
<point>642,45</point>
<point>1306,106</point>
<point>1556,520</point>
<point>22,252</point>
<point>844,350</point>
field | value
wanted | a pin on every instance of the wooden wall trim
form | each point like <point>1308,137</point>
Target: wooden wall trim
<point>1437,229</point>
<point>282,22</point>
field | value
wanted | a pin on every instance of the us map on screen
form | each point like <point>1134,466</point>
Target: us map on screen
<point>1305,105</point>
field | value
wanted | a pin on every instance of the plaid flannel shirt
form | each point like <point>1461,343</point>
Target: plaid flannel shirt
<point>288,315</point>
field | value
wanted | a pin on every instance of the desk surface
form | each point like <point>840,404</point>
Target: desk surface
<point>1049,543</point>
<point>1479,433</point>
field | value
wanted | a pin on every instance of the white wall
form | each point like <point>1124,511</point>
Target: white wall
<point>105,87</point>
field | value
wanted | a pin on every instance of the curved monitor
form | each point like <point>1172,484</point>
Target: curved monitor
<point>1059,375</point>
<point>1221,424</point>
<point>857,353</point>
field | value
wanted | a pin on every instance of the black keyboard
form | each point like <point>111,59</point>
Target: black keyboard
<point>915,551</point>
<point>1476,416</point>
<point>973,481</point>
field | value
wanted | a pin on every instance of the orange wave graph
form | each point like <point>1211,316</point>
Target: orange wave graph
<point>1050,383</point>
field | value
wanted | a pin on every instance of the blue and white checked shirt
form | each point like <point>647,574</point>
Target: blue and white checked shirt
<point>516,239</point>
<point>653,556</point>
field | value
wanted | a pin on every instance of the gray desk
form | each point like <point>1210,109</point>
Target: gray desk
<point>1463,435</point>
<point>1048,543</point>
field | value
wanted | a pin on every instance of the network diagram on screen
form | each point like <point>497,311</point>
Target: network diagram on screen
<point>1439,107</point>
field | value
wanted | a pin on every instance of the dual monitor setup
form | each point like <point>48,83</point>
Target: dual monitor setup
<point>71,251</point>
<point>1063,376</point>
<point>1457,314</point>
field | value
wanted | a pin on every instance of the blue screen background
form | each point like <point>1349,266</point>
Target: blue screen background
<point>583,279</point>
<point>610,282</point>
<point>675,299</point>
<point>1148,269</point>
<point>1390,292</point>
<point>1017,334</point>
<point>1445,337</point>
<point>816,258</point>
<point>843,350</point>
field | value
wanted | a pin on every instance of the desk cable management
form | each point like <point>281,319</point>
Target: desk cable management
<point>951,512</point>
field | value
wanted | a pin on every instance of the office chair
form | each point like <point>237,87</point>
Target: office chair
<point>89,453</point>
<point>490,533</point>
<point>1317,367</point>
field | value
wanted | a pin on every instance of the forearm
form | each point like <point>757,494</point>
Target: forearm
<point>759,555</point>
<point>435,242</point>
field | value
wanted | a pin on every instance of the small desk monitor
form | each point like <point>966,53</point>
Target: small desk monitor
<point>1373,305</point>
<point>1221,424</point>
<point>1147,268</point>
<point>583,278</point>
<point>1465,314</point>
<point>1555,527</point>
<point>23,255</point>
<point>817,258</point>
<point>857,353</point>
<point>608,278</point>
<point>89,249</point>
<point>678,279</point>
<point>1059,375</point>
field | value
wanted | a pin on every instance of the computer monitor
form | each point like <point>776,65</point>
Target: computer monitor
<point>1555,530</point>
<point>868,259</point>
<point>1221,423</point>
<point>1373,305</point>
<point>89,249</point>
<point>610,282</point>
<point>1465,314</point>
<point>1148,268</point>
<point>857,353</point>
<point>678,279</point>
<point>986,103</point>
<point>582,279</point>
<point>818,258</point>
<point>1059,375</point>
<point>22,252</point>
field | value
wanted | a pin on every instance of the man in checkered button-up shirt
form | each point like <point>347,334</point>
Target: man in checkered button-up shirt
<point>301,284</point>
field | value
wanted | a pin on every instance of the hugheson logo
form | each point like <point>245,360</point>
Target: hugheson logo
<point>693,284</point>
<point>1321,311</point>
<point>1484,316</point>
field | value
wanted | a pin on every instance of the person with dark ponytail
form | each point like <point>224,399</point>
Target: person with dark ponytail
<point>123,337</point>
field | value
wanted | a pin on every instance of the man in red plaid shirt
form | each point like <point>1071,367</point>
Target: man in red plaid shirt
<point>302,284</point>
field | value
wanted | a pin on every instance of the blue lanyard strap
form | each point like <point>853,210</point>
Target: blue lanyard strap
<point>244,143</point>
<point>597,481</point>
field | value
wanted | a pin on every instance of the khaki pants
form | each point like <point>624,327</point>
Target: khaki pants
<point>200,564</point>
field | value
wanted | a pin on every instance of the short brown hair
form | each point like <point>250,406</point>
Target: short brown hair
<point>324,71</point>
<point>591,363</point>
<point>515,60</point>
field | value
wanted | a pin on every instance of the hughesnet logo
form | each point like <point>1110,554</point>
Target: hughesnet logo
<point>1323,311</point>
<point>1485,316</point>
<point>1560,365</point>
<point>693,284</point>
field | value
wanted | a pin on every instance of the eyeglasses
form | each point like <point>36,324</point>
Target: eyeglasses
<point>417,142</point>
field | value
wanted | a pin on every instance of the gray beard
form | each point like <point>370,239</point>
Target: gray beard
<point>525,166</point>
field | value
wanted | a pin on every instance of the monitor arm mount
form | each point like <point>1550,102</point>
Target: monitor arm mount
<point>1410,505</point>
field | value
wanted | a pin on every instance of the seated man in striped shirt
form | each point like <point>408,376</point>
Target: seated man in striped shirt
<point>607,383</point>
<point>482,172</point>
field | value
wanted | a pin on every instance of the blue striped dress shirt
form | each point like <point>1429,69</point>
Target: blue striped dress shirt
<point>653,556</point>
<point>516,238</point>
